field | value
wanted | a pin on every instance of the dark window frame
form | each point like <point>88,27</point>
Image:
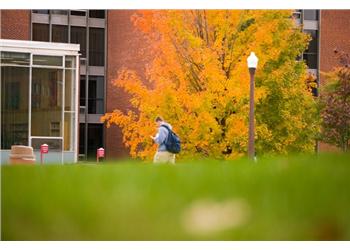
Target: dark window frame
<point>41,11</point>
<point>81,13</point>
<point>93,98</point>
<point>310,55</point>
<point>96,46</point>
<point>14,102</point>
<point>37,32</point>
<point>59,12</point>
<point>83,43</point>
<point>54,35</point>
<point>100,14</point>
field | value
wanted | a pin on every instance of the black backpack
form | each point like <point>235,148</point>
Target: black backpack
<point>172,142</point>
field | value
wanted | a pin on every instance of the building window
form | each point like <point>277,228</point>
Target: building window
<point>55,145</point>
<point>310,15</point>
<point>82,139</point>
<point>41,32</point>
<point>47,60</point>
<point>41,11</point>
<point>96,95</point>
<point>69,101</point>
<point>94,139</point>
<point>311,60</point>
<point>82,94</point>
<point>55,129</point>
<point>69,131</point>
<point>97,13</point>
<point>59,12</point>
<point>312,48</point>
<point>14,106</point>
<point>78,36</point>
<point>60,33</point>
<point>46,101</point>
<point>96,46</point>
<point>310,54</point>
<point>69,90</point>
<point>78,12</point>
<point>70,62</point>
<point>15,58</point>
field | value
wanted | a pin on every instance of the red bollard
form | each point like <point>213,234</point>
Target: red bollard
<point>100,153</point>
<point>44,149</point>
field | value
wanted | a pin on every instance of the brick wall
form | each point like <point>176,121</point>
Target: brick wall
<point>335,33</point>
<point>15,24</point>
<point>125,48</point>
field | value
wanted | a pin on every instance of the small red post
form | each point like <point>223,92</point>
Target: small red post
<point>100,153</point>
<point>44,149</point>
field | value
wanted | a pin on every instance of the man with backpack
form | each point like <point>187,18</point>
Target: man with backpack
<point>168,141</point>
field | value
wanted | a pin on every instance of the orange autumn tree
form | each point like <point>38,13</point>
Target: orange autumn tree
<point>200,84</point>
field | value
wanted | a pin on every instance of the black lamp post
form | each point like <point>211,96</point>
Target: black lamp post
<point>252,64</point>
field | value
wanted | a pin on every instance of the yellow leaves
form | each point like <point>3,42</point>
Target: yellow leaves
<point>260,94</point>
<point>263,132</point>
<point>201,81</point>
<point>237,129</point>
<point>129,80</point>
<point>117,117</point>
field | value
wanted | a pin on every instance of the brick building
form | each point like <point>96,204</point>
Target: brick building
<point>109,41</point>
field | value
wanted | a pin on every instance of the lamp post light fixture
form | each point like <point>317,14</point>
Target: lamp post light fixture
<point>252,64</point>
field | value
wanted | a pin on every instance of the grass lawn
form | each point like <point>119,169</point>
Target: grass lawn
<point>294,198</point>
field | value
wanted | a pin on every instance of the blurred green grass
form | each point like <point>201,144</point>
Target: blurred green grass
<point>302,197</point>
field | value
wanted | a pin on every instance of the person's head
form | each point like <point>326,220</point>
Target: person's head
<point>159,120</point>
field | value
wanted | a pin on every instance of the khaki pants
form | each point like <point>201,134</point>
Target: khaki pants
<point>164,157</point>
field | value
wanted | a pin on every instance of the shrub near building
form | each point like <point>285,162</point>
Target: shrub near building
<point>335,106</point>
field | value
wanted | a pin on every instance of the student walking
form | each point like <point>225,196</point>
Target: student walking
<point>168,143</point>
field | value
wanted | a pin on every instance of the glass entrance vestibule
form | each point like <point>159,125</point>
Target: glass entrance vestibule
<point>39,98</point>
